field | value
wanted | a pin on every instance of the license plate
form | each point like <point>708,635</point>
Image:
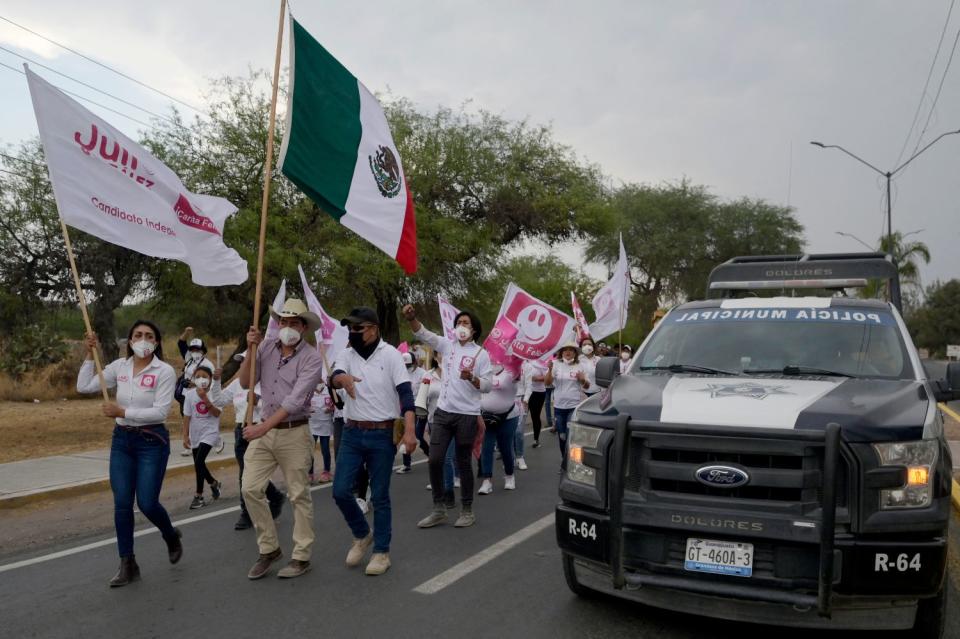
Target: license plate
<point>719,557</point>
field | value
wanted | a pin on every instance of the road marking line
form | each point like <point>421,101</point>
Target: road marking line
<point>151,530</point>
<point>483,557</point>
<point>949,411</point>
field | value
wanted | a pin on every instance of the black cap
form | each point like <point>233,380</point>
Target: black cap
<point>359,315</point>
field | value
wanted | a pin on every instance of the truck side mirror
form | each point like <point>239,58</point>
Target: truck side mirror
<point>947,389</point>
<point>608,368</point>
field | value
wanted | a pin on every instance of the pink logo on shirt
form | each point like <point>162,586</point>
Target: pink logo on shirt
<point>201,408</point>
<point>573,374</point>
<point>148,381</point>
<point>327,401</point>
<point>122,378</point>
<point>466,363</point>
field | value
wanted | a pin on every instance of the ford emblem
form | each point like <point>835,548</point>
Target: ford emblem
<point>722,476</point>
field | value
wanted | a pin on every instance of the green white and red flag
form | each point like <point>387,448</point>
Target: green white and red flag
<point>339,151</point>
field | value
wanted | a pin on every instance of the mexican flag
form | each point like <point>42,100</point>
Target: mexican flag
<point>339,151</point>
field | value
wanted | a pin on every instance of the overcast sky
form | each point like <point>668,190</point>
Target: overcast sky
<point>726,94</point>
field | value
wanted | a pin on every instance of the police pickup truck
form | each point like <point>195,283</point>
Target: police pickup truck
<point>776,460</point>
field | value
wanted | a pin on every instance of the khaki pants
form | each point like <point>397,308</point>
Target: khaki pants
<point>292,450</point>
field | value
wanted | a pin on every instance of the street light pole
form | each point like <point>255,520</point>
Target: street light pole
<point>887,174</point>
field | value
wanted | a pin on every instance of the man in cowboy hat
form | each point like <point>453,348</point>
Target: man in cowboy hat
<point>288,370</point>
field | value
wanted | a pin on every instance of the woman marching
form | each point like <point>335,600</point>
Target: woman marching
<point>569,379</point>
<point>321,427</point>
<point>501,416</point>
<point>201,429</point>
<point>535,394</point>
<point>141,444</point>
<point>589,359</point>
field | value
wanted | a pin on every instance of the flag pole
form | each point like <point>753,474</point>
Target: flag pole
<point>267,170</point>
<point>83,306</point>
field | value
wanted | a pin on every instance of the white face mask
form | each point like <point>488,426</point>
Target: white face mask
<point>568,359</point>
<point>194,356</point>
<point>289,336</point>
<point>587,349</point>
<point>625,356</point>
<point>143,348</point>
<point>201,382</point>
<point>463,333</point>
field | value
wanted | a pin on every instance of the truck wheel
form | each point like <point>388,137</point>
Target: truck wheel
<point>931,616</point>
<point>569,573</point>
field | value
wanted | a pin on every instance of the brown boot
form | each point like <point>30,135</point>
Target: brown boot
<point>175,547</point>
<point>262,567</point>
<point>129,571</point>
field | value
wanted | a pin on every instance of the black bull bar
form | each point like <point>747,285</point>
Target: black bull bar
<point>830,437</point>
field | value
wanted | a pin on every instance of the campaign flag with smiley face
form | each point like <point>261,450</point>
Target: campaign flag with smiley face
<point>541,329</point>
<point>610,302</point>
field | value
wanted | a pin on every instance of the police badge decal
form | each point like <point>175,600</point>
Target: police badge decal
<point>386,171</point>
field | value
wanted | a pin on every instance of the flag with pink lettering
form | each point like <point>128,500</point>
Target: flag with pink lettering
<point>331,336</point>
<point>273,325</point>
<point>583,330</point>
<point>109,186</point>
<point>541,329</point>
<point>498,344</point>
<point>448,313</point>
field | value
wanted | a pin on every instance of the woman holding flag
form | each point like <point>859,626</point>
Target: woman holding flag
<point>141,443</point>
<point>569,378</point>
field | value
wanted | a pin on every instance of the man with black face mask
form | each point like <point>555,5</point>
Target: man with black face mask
<point>375,380</point>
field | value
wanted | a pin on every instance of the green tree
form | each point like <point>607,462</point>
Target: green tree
<point>907,256</point>
<point>937,322</point>
<point>675,234</point>
<point>482,185</point>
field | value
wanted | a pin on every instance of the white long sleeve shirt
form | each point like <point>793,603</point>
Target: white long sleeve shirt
<point>146,396</point>
<point>237,395</point>
<point>458,395</point>
<point>590,370</point>
<point>502,396</point>
<point>528,370</point>
<point>568,392</point>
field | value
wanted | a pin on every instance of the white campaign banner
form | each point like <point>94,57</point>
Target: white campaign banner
<point>448,313</point>
<point>331,337</point>
<point>109,186</point>
<point>610,302</point>
<point>273,326</point>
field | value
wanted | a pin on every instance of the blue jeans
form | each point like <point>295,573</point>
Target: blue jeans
<point>450,469</point>
<point>375,450</point>
<point>562,417</point>
<point>138,462</point>
<point>503,437</point>
<point>548,407</point>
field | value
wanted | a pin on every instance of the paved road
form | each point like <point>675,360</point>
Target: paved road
<point>520,592</point>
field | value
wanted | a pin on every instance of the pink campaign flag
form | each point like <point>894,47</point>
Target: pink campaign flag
<point>331,337</point>
<point>273,326</point>
<point>448,313</point>
<point>498,344</point>
<point>111,187</point>
<point>541,329</point>
<point>582,329</point>
<point>403,348</point>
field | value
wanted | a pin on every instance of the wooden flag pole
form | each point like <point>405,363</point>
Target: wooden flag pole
<point>267,171</point>
<point>83,307</point>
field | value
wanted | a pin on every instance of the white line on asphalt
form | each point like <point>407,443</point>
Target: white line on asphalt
<point>147,531</point>
<point>483,557</point>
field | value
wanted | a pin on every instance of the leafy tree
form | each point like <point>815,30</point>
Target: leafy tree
<point>481,184</point>
<point>906,255</point>
<point>937,322</point>
<point>675,234</point>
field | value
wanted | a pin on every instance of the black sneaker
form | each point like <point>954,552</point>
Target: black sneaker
<point>276,507</point>
<point>197,502</point>
<point>215,489</point>
<point>536,444</point>
<point>243,523</point>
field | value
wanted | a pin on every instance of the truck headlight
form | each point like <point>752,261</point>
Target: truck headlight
<point>919,458</point>
<point>579,438</point>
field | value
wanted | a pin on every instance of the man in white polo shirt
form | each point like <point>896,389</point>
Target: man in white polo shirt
<point>374,378</point>
<point>467,375</point>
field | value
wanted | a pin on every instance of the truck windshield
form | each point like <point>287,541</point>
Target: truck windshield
<point>848,341</point>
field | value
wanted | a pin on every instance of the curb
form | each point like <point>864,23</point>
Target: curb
<point>97,485</point>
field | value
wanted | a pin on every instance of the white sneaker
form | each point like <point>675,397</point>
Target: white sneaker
<point>363,505</point>
<point>220,446</point>
<point>509,483</point>
<point>456,482</point>
<point>186,453</point>
<point>521,463</point>
<point>401,470</point>
<point>486,487</point>
<point>429,486</point>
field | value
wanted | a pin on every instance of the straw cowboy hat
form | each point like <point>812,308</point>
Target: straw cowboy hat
<point>296,308</point>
